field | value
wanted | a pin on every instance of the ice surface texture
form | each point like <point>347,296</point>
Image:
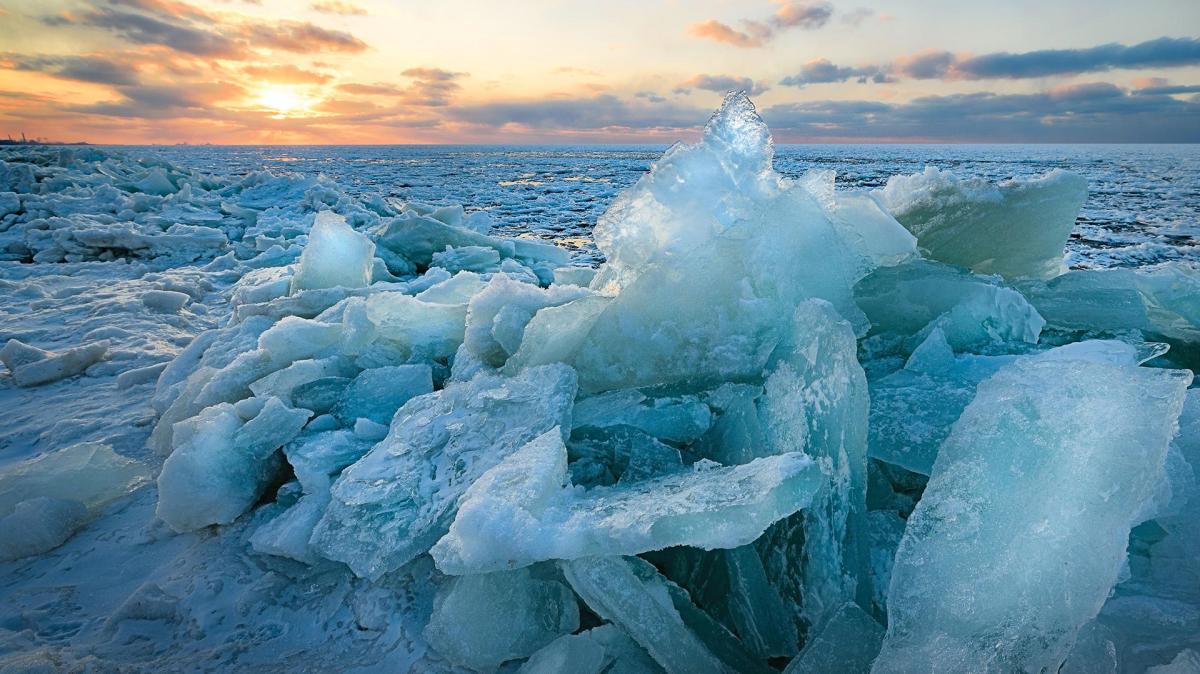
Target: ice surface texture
<point>784,425</point>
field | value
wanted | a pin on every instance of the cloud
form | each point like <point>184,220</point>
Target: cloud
<point>285,74</point>
<point>336,7</point>
<point>430,87</point>
<point>855,17</point>
<point>822,71</point>
<point>756,33</point>
<point>1164,52</point>
<point>721,84</point>
<point>187,29</point>
<point>165,101</point>
<point>650,96</point>
<point>578,114</point>
<point>1092,112</point>
<point>94,69</point>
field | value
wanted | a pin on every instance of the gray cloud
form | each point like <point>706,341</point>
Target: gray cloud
<point>95,69</point>
<point>1164,52</point>
<point>581,114</point>
<point>722,84</point>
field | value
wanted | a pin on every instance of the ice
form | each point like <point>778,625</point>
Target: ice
<point>1022,529</point>
<point>1016,229</point>
<point>418,238</point>
<point>38,525</point>
<point>630,594</point>
<point>376,394</point>
<point>673,418</point>
<point>973,312</point>
<point>848,642</point>
<point>1187,662</point>
<point>31,366</point>
<point>169,301</point>
<point>524,511</point>
<point>399,499</point>
<point>335,256</point>
<point>469,258</point>
<point>484,620</point>
<point>498,314</point>
<point>222,460</point>
<point>595,651</point>
<point>91,473</point>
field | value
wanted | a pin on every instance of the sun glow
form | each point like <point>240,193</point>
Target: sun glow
<point>283,101</point>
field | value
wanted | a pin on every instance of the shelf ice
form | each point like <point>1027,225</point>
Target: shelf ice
<point>783,426</point>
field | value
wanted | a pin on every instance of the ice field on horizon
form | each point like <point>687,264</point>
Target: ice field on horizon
<point>763,416</point>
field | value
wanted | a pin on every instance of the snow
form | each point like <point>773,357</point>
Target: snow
<point>270,421</point>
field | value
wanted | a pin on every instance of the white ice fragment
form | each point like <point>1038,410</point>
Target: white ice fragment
<point>89,472</point>
<point>140,375</point>
<point>498,314</point>
<point>1016,229</point>
<point>524,510</point>
<point>466,258</point>
<point>335,256</point>
<point>166,301</point>
<point>39,525</point>
<point>598,650</point>
<point>33,367</point>
<point>574,276</point>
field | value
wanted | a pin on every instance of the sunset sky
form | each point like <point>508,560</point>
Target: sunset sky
<point>392,71</point>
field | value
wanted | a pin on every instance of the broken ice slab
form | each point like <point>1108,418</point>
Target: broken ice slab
<point>39,525</point>
<point>523,510</point>
<point>672,418</point>
<point>973,311</point>
<point>600,650</point>
<point>335,256</point>
<point>90,472</point>
<point>377,393</point>
<point>1186,662</point>
<point>418,238</point>
<point>1022,529</point>
<point>485,620</point>
<point>630,594</point>
<point>847,643</point>
<point>31,366</point>
<point>1017,228</point>
<point>400,498</point>
<point>498,314</point>
<point>222,460</point>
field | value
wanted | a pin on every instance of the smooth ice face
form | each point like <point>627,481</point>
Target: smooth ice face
<point>39,525</point>
<point>335,256</point>
<point>598,650</point>
<point>484,620</point>
<point>1022,529</point>
<point>1016,229</point>
<point>498,314</point>
<point>524,510</point>
<point>89,472</point>
<point>399,499</point>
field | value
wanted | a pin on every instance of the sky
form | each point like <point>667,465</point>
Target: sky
<point>581,71</point>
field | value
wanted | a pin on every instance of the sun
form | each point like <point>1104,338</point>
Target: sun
<point>283,101</point>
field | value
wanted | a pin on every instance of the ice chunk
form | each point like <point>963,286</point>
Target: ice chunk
<point>596,651</point>
<point>39,525</point>
<point>89,472</point>
<point>335,256</point>
<point>636,599</point>
<point>497,315</point>
<point>1022,529</point>
<point>1187,662</point>
<point>418,237</point>
<point>469,258</point>
<point>167,301</point>
<point>972,311</point>
<point>576,276</point>
<point>482,621</point>
<point>31,366</point>
<point>222,462</point>
<point>1017,228</point>
<point>847,643</point>
<point>522,511</point>
<point>871,232</point>
<point>376,394</point>
<point>399,499</point>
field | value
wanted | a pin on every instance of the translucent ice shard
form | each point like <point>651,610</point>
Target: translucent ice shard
<point>484,620</point>
<point>497,315</point>
<point>847,643</point>
<point>89,472</point>
<point>596,651</point>
<point>1016,229</point>
<point>1022,529</point>
<point>630,594</point>
<point>399,499</point>
<point>523,511</point>
<point>335,255</point>
<point>39,525</point>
